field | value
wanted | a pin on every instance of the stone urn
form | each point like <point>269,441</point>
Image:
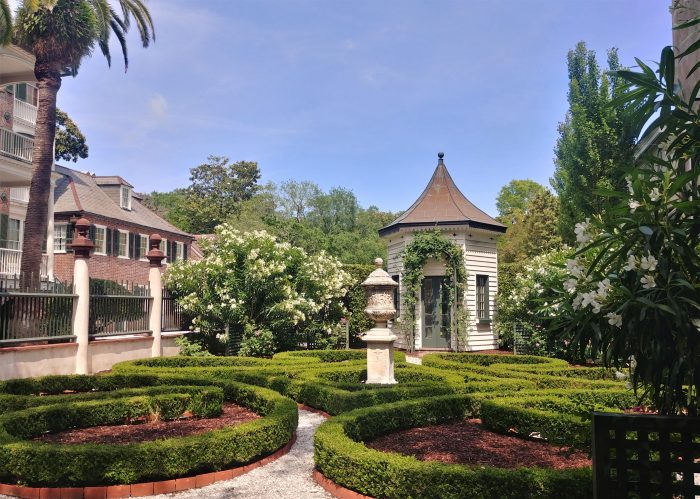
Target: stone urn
<point>379,288</point>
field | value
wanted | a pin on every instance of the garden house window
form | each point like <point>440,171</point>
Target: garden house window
<point>482,297</point>
<point>397,296</point>
<point>60,236</point>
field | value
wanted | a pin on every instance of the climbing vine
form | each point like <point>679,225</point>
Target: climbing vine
<point>427,245</point>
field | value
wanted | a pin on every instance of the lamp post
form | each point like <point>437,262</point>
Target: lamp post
<point>379,287</point>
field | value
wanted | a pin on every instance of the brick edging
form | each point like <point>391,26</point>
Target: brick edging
<point>141,489</point>
<point>337,490</point>
<point>314,410</point>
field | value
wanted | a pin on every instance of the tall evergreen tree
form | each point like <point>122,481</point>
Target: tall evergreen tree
<point>595,142</point>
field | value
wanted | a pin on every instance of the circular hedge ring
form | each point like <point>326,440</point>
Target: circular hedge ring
<point>341,457</point>
<point>59,465</point>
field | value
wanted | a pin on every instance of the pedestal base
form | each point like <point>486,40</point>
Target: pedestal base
<point>380,356</point>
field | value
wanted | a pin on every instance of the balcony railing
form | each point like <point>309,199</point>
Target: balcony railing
<point>20,194</point>
<point>11,260</point>
<point>15,145</point>
<point>25,112</point>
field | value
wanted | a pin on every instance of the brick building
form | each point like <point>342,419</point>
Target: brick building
<point>121,226</point>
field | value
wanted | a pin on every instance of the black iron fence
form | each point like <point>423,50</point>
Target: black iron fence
<point>646,456</point>
<point>173,316</point>
<point>35,310</point>
<point>118,308</point>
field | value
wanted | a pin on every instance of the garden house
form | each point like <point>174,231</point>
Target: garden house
<point>444,208</point>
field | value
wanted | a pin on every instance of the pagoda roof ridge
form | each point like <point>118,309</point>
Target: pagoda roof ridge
<point>442,203</point>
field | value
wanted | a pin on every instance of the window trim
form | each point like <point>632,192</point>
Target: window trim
<point>103,251</point>
<point>143,258</point>
<point>125,256</point>
<point>65,240</point>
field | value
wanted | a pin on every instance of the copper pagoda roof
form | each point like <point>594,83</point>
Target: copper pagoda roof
<point>442,203</point>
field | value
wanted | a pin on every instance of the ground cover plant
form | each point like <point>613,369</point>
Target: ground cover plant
<point>514,395</point>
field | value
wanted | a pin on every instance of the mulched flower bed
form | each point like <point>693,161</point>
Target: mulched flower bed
<point>143,432</point>
<point>467,442</point>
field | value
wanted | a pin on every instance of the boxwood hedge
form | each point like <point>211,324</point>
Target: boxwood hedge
<point>43,464</point>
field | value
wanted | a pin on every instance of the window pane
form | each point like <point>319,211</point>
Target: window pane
<point>60,232</point>
<point>143,246</point>
<point>13,231</point>
<point>100,240</point>
<point>123,244</point>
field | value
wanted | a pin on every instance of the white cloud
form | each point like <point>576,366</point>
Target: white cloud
<point>158,106</point>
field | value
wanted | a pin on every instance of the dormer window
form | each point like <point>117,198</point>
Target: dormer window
<point>125,198</point>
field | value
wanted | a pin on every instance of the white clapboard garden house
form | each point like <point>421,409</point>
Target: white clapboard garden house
<point>443,207</point>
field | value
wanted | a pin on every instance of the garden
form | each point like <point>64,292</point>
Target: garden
<point>540,408</point>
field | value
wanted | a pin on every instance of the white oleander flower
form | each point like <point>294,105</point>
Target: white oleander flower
<point>581,230</point>
<point>614,319</point>
<point>655,194</point>
<point>648,281</point>
<point>628,179</point>
<point>570,285</point>
<point>633,204</point>
<point>631,263</point>
<point>648,263</point>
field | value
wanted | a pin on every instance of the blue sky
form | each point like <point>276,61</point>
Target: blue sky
<point>360,94</point>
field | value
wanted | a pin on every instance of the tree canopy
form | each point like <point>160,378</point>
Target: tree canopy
<point>595,143</point>
<point>515,197</point>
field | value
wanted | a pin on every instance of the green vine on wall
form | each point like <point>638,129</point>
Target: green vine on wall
<point>427,245</point>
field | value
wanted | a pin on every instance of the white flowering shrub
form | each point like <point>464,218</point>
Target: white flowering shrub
<point>529,301</point>
<point>251,282</point>
<point>633,287</point>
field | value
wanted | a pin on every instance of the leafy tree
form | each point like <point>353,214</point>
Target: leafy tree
<point>335,211</point>
<point>217,188</point>
<point>515,197</point>
<point>172,206</point>
<point>60,33</point>
<point>70,141</point>
<point>595,140</point>
<point>296,198</point>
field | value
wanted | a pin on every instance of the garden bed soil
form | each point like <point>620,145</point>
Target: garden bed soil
<point>143,432</point>
<point>468,442</point>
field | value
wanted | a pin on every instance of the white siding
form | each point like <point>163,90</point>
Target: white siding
<point>480,258</point>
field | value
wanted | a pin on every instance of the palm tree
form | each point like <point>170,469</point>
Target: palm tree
<point>60,33</point>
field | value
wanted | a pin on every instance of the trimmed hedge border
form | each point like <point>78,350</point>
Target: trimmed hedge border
<point>142,489</point>
<point>43,464</point>
<point>342,458</point>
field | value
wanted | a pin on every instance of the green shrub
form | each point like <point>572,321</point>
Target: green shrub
<point>342,457</point>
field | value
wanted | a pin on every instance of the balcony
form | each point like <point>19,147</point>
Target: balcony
<point>16,146</point>
<point>25,113</point>
<point>11,259</point>
<point>19,194</point>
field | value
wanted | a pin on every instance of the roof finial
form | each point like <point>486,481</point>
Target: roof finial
<point>440,156</point>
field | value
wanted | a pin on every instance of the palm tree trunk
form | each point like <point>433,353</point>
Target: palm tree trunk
<point>49,82</point>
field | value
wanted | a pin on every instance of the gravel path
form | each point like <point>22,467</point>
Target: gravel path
<point>287,477</point>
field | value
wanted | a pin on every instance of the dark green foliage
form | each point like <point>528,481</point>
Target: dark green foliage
<point>70,141</point>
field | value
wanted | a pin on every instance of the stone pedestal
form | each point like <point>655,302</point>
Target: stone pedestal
<point>379,287</point>
<point>380,356</point>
